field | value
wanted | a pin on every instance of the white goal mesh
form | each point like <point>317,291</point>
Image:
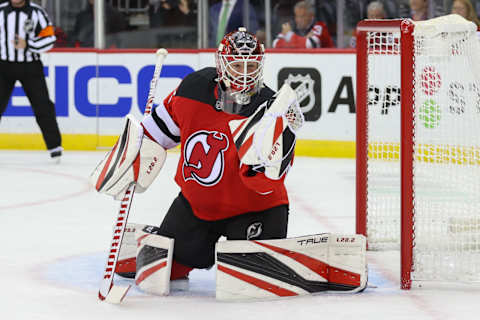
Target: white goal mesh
<point>446,146</point>
<point>446,170</point>
<point>383,189</point>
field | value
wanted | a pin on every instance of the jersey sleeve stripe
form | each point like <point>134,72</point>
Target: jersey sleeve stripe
<point>40,45</point>
<point>162,113</point>
<point>162,121</point>
<point>162,128</point>
<point>158,135</point>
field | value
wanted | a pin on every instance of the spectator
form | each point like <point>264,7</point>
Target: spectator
<point>466,10</point>
<point>326,11</point>
<point>305,33</point>
<point>171,13</point>
<point>259,8</point>
<point>375,10</point>
<point>418,10</point>
<point>83,32</point>
<point>281,13</point>
<point>392,8</point>
<point>227,16</point>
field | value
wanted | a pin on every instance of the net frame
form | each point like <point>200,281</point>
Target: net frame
<point>362,143</point>
<point>405,28</point>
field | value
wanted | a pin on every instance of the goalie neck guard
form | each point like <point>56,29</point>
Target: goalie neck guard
<point>239,59</point>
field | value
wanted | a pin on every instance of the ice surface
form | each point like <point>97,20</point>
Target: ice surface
<point>55,232</point>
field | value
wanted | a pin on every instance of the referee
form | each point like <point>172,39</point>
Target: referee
<point>25,32</point>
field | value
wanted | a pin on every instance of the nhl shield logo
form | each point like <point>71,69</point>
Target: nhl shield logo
<point>28,26</point>
<point>307,83</point>
<point>303,85</point>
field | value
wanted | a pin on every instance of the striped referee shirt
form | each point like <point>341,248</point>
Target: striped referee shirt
<point>29,22</point>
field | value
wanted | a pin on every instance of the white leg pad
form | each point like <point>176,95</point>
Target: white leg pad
<point>128,251</point>
<point>269,269</point>
<point>154,262</point>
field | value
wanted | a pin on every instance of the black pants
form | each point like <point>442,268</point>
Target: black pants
<point>195,238</point>
<point>32,78</point>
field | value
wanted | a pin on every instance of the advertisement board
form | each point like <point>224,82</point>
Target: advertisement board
<point>94,90</point>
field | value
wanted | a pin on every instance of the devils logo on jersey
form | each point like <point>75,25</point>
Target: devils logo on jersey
<point>203,157</point>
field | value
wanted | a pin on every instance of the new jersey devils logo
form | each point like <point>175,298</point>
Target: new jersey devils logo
<point>203,159</point>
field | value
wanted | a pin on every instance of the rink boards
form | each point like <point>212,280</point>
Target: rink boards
<point>93,91</point>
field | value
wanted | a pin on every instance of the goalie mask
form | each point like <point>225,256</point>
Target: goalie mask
<point>239,59</point>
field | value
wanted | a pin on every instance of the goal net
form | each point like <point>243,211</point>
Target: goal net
<point>418,145</point>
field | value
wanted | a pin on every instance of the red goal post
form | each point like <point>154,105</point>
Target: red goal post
<point>418,145</point>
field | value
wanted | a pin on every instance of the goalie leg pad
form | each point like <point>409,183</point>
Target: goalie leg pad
<point>134,158</point>
<point>154,261</point>
<point>268,269</point>
<point>126,264</point>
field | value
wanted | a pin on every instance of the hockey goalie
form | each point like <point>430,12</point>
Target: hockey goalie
<point>237,140</point>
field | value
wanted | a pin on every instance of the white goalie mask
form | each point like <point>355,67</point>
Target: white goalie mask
<point>240,58</point>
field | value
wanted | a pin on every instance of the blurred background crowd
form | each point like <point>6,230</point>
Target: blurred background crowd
<point>200,23</point>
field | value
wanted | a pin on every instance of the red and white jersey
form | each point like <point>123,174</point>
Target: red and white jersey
<point>317,36</point>
<point>209,172</point>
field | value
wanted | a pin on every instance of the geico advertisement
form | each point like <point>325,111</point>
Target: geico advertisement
<point>93,91</point>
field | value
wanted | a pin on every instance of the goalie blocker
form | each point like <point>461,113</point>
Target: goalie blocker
<point>267,269</point>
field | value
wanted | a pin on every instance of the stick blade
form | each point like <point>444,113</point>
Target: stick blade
<point>116,294</point>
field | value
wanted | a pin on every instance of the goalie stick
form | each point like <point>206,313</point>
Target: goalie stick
<point>108,291</point>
